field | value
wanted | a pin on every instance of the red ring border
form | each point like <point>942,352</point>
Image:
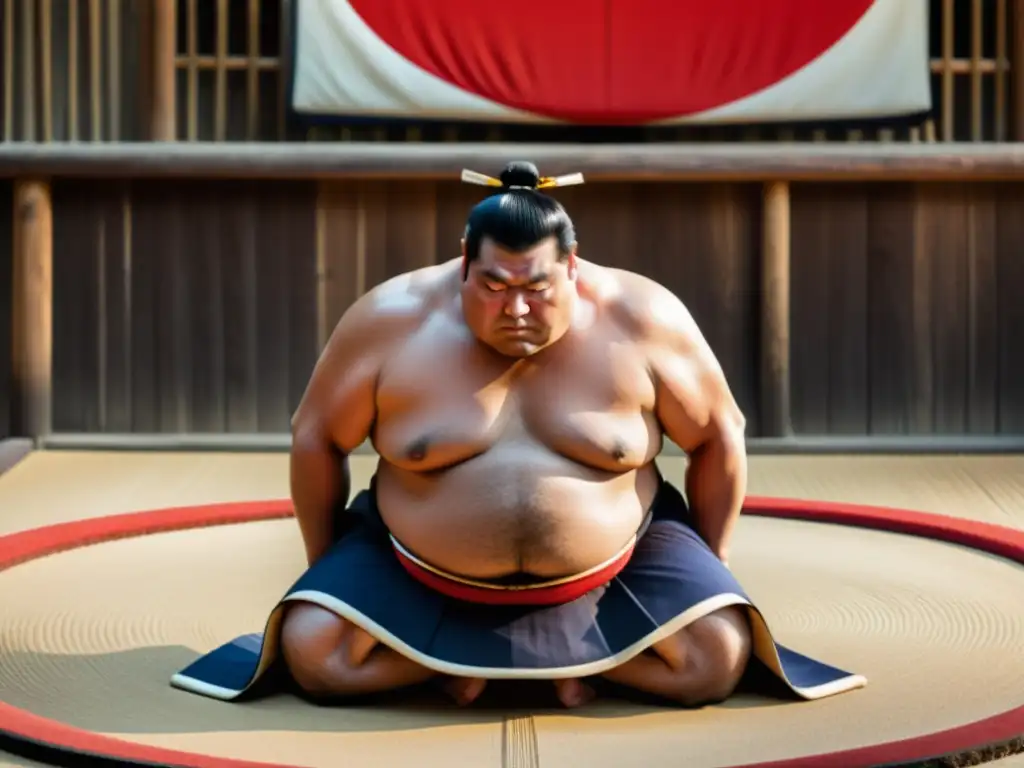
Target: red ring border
<point>24,727</point>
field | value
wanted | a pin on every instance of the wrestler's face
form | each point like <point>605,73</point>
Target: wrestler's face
<point>519,302</point>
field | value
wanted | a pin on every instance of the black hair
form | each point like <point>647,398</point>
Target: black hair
<point>519,216</point>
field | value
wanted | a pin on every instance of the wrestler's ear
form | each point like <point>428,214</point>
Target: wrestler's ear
<point>572,266</point>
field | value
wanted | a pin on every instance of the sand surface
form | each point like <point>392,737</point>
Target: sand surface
<point>91,636</point>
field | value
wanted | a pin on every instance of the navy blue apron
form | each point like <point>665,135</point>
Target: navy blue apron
<point>672,579</point>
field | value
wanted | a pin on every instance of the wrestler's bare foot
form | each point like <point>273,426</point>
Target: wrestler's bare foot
<point>574,693</point>
<point>464,690</point>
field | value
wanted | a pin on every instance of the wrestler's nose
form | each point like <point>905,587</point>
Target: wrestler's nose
<point>516,306</point>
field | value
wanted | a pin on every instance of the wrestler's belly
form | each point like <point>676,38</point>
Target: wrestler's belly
<point>515,509</point>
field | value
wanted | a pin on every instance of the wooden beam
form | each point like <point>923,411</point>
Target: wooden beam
<point>32,334</point>
<point>1017,68</point>
<point>775,263</point>
<point>971,161</point>
<point>163,123</point>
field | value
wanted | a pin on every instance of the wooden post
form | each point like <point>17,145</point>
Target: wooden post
<point>1017,68</point>
<point>775,413</point>
<point>163,124</point>
<point>32,331</point>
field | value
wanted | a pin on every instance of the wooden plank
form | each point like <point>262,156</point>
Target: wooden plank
<point>922,318</point>
<point>298,201</point>
<point>173,307</point>
<point>375,219</point>
<point>209,252</point>
<point>163,120</point>
<point>616,162</point>
<point>114,274</point>
<point>32,331</point>
<point>829,367</point>
<point>453,203</point>
<point>983,310</point>
<point>609,221</point>
<point>775,317</point>
<point>341,253</point>
<point>810,346</point>
<point>79,235</point>
<point>892,238</point>
<point>1017,71</point>
<point>1010,275</point>
<point>669,243</point>
<point>148,205</point>
<point>244,283</point>
<point>274,264</point>
<point>6,305</point>
<point>941,336</point>
<point>848,310</point>
<point>412,243</point>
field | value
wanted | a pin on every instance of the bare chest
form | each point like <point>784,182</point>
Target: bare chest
<point>442,401</point>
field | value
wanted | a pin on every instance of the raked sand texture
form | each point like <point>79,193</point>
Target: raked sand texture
<point>91,636</point>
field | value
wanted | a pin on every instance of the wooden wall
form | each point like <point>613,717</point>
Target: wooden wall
<point>6,302</point>
<point>200,306</point>
<point>182,307</point>
<point>906,308</point>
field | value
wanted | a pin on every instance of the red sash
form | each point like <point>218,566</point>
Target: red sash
<point>543,592</point>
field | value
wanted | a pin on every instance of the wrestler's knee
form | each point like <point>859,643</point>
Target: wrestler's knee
<point>314,645</point>
<point>717,651</point>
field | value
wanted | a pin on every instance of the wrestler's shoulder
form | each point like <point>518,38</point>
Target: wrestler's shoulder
<point>385,316</point>
<point>644,307</point>
<point>401,302</point>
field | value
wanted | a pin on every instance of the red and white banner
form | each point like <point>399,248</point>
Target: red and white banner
<point>611,62</point>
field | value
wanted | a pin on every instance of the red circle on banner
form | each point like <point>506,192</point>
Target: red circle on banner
<point>611,61</point>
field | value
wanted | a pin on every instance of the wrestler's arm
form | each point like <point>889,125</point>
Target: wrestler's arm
<point>336,414</point>
<point>698,412</point>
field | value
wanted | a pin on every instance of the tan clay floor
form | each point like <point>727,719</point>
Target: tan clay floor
<point>82,628</point>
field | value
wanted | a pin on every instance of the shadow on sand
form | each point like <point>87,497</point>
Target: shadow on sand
<point>129,692</point>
